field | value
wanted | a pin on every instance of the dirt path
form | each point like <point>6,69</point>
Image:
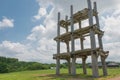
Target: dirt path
<point>116,78</point>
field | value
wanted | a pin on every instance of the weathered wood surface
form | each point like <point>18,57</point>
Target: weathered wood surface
<point>78,16</point>
<point>79,33</point>
<point>80,53</point>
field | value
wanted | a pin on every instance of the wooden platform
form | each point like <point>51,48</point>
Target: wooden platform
<point>80,53</point>
<point>78,16</point>
<point>78,33</point>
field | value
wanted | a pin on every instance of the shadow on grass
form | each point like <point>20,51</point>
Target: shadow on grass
<point>65,77</point>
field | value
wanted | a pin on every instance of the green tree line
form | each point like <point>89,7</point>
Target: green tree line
<point>13,64</point>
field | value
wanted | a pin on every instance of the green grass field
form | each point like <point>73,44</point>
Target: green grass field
<point>50,75</point>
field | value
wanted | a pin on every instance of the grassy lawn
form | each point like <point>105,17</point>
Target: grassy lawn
<point>50,75</point>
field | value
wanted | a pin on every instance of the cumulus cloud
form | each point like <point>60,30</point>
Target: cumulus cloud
<point>113,51</point>
<point>43,9</point>
<point>25,52</point>
<point>45,34</point>
<point>108,17</point>
<point>111,27</point>
<point>42,12</point>
<point>37,33</point>
<point>6,23</point>
<point>40,45</point>
<point>8,48</point>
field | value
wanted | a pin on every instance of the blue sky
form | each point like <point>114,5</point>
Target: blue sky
<point>21,11</point>
<point>27,27</point>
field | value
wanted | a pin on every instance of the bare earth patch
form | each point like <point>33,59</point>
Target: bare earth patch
<point>116,78</point>
<point>68,77</point>
<point>61,77</point>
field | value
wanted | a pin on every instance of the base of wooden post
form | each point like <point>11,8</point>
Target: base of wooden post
<point>95,72</point>
<point>104,66</point>
<point>84,64</point>
<point>69,66</point>
<point>57,66</point>
<point>73,69</point>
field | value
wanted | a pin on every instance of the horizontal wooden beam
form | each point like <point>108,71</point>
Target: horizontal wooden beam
<point>80,53</point>
<point>79,33</point>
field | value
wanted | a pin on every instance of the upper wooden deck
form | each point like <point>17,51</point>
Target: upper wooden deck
<point>79,16</point>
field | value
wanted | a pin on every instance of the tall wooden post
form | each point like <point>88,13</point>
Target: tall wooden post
<point>81,39</point>
<point>93,43</point>
<point>68,49</point>
<point>73,70</point>
<point>84,64</point>
<point>58,47</point>
<point>67,42</point>
<point>104,67</point>
<point>69,66</point>
<point>82,47</point>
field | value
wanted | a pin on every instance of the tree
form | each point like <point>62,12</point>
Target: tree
<point>3,68</point>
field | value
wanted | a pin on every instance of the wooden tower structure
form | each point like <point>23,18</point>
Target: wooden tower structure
<point>81,33</point>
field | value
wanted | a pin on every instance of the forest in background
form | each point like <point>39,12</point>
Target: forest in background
<point>14,65</point>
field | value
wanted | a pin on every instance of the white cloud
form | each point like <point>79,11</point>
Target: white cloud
<point>64,7</point>
<point>40,45</point>
<point>113,51</point>
<point>37,33</point>
<point>44,3</point>
<point>40,28</point>
<point>6,23</point>
<point>111,26</point>
<point>44,34</point>
<point>41,13</point>
<point>10,49</point>
<point>24,52</point>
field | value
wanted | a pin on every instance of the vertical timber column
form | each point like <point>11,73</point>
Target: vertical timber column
<point>68,49</point>
<point>84,64</point>
<point>73,70</point>
<point>93,43</point>
<point>69,66</point>
<point>58,46</point>
<point>104,66</point>
<point>84,57</point>
<point>81,39</point>
<point>66,27</point>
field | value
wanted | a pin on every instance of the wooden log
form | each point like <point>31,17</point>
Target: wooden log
<point>66,26</point>
<point>68,50</point>
<point>93,44</point>
<point>84,64</point>
<point>73,68</point>
<point>104,66</point>
<point>73,71</point>
<point>58,47</point>
<point>69,66</point>
<point>81,38</point>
